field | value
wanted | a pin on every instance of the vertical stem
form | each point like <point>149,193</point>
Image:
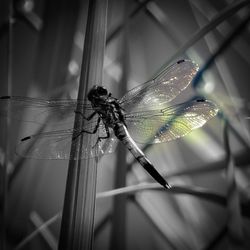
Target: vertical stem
<point>234,222</point>
<point>79,204</point>
<point>118,230</point>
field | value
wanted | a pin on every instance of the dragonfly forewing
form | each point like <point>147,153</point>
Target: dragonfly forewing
<point>39,110</point>
<point>162,89</point>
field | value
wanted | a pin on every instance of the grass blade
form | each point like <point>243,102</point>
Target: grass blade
<point>226,13</point>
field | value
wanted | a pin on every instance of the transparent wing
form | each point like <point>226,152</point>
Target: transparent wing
<point>60,115</point>
<point>39,110</point>
<point>57,144</point>
<point>162,89</point>
<point>157,126</point>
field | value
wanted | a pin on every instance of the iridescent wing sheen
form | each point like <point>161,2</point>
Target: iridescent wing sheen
<point>163,125</point>
<point>146,115</point>
<point>40,110</point>
<point>162,89</point>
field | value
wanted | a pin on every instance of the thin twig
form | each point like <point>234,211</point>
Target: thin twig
<point>200,192</point>
<point>120,27</point>
<point>38,230</point>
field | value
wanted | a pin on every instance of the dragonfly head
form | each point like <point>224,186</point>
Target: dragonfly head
<point>97,93</point>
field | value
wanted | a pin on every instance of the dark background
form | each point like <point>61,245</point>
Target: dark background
<point>46,52</point>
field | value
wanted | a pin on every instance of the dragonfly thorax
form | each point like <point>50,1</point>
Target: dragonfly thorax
<point>106,106</point>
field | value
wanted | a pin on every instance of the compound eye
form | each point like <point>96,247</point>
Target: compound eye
<point>102,91</point>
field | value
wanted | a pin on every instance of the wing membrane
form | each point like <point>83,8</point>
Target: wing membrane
<point>167,124</point>
<point>40,110</point>
<point>57,144</point>
<point>165,87</point>
<point>146,116</point>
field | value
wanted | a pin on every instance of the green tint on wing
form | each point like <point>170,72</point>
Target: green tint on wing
<point>157,126</point>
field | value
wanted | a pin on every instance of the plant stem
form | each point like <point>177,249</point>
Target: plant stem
<point>79,204</point>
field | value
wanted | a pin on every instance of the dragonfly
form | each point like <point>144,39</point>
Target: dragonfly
<point>142,116</point>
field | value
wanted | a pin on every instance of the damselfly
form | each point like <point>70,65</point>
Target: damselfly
<point>142,115</point>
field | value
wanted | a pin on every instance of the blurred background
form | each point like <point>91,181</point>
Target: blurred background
<point>41,53</point>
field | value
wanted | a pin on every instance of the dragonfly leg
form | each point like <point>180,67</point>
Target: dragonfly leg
<point>89,132</point>
<point>103,137</point>
<point>84,117</point>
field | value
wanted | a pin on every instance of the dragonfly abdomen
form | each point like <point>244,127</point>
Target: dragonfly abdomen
<point>122,134</point>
